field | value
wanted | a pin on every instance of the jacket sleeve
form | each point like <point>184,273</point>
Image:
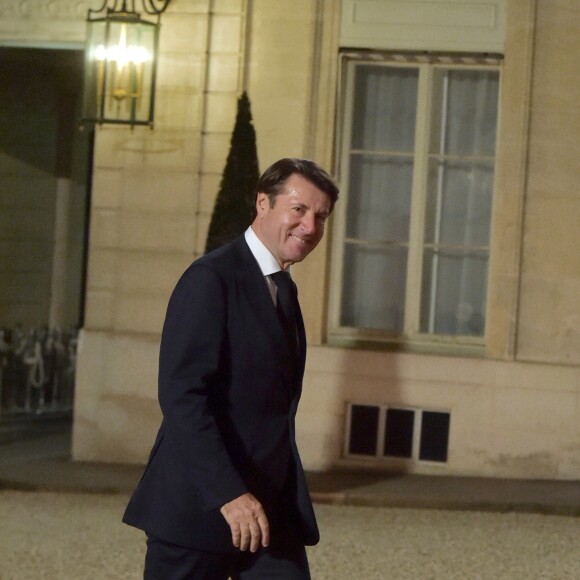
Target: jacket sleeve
<point>193,337</point>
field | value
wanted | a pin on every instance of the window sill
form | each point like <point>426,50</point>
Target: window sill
<point>391,465</point>
<point>441,347</point>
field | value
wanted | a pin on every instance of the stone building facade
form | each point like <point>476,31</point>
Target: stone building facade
<point>510,400</point>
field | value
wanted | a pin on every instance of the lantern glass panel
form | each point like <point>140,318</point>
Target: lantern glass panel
<point>120,73</point>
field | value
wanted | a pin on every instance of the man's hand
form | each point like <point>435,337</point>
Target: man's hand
<point>248,522</point>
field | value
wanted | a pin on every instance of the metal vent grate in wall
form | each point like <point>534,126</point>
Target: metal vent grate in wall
<point>393,432</point>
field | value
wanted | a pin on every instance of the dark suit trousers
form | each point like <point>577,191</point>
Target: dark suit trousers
<point>284,559</point>
<point>281,561</point>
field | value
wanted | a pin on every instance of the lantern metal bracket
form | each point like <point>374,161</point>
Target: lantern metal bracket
<point>152,7</point>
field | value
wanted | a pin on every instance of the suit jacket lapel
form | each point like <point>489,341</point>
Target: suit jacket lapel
<point>301,349</point>
<point>255,289</point>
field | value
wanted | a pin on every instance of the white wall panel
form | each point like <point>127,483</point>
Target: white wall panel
<point>438,25</point>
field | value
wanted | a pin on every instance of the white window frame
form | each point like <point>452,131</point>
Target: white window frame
<point>411,337</point>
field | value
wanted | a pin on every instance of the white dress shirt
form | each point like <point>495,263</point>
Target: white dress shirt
<point>265,259</point>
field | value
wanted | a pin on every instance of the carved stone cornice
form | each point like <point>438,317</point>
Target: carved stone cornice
<point>32,9</point>
<point>30,22</point>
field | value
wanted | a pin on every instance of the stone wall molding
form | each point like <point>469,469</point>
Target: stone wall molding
<point>43,23</point>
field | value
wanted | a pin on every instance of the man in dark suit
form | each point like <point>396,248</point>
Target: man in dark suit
<point>224,493</point>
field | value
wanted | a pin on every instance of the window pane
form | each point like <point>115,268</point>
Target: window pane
<point>465,114</point>
<point>374,287</point>
<point>385,107</point>
<point>434,436</point>
<point>459,203</point>
<point>399,432</point>
<point>454,292</point>
<point>379,204</point>
<point>364,425</point>
<point>379,201</point>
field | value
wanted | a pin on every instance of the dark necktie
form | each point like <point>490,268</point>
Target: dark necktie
<point>287,303</point>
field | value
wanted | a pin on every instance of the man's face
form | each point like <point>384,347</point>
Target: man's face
<point>294,226</point>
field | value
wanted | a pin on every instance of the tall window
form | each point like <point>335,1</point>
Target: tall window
<point>417,157</point>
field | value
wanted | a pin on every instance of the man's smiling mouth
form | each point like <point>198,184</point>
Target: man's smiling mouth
<point>301,240</point>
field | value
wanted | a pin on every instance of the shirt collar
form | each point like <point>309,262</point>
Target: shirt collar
<point>264,257</point>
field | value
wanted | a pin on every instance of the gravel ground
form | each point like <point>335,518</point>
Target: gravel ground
<point>52,536</point>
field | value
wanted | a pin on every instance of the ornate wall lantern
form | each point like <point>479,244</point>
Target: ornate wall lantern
<point>121,62</point>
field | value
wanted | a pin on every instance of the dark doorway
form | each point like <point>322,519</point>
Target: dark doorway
<point>44,204</point>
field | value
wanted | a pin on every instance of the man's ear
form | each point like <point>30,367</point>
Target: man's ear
<point>262,203</point>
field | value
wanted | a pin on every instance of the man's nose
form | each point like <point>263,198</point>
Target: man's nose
<point>308,223</point>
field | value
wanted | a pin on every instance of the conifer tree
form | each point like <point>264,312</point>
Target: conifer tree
<point>233,209</point>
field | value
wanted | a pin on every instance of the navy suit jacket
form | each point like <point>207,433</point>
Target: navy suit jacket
<point>229,385</point>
